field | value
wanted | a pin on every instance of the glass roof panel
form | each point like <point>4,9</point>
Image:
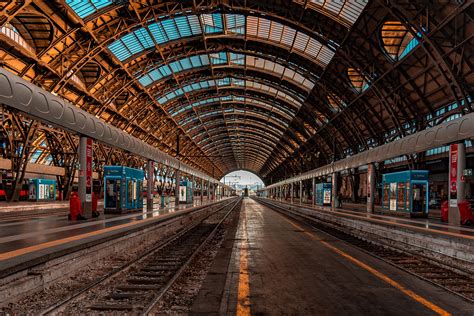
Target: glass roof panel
<point>347,11</point>
<point>87,7</point>
<point>236,25</point>
<point>226,82</point>
<point>224,59</point>
<point>212,23</point>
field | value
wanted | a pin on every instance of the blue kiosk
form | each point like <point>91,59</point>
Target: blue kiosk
<point>406,191</point>
<point>123,189</point>
<point>323,193</point>
<point>186,192</point>
<point>42,190</point>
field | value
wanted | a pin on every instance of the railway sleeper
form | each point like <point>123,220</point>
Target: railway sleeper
<point>134,280</point>
<point>138,287</point>
<point>109,306</point>
<point>124,295</point>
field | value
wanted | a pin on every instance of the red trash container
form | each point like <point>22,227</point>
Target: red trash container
<point>465,210</point>
<point>444,211</point>
<point>74,206</point>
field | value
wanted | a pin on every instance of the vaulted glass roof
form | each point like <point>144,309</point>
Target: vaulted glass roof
<point>84,8</point>
<point>247,99</point>
<point>219,24</point>
<point>224,60</point>
<point>346,10</point>
<point>234,111</point>
<point>228,82</point>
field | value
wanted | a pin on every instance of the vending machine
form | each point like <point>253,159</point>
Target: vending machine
<point>186,192</point>
<point>123,189</point>
<point>406,191</point>
<point>323,193</point>
<point>42,190</point>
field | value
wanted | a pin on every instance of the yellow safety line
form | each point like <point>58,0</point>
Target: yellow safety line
<point>350,214</point>
<point>243,299</point>
<point>435,308</point>
<point>22,251</point>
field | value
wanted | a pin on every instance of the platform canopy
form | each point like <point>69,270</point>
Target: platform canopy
<point>274,87</point>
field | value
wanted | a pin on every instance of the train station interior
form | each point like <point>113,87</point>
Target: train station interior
<point>304,157</point>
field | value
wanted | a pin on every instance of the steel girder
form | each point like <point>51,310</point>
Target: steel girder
<point>414,87</point>
<point>399,92</point>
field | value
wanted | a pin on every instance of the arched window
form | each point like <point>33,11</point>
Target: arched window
<point>357,80</point>
<point>11,32</point>
<point>397,40</point>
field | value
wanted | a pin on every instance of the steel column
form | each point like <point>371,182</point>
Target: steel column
<point>370,187</point>
<point>301,192</point>
<point>457,163</point>
<point>149,185</point>
<point>334,190</point>
<point>202,190</point>
<point>85,175</point>
<point>291,193</point>
<point>176,189</point>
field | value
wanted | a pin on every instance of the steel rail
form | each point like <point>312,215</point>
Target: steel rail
<point>58,306</point>
<point>185,265</point>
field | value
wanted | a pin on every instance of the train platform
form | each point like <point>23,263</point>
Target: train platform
<point>280,266</point>
<point>428,225</point>
<point>28,241</point>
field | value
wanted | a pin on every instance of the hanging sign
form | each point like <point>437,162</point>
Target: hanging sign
<point>453,175</point>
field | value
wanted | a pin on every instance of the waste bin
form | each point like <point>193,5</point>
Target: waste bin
<point>444,211</point>
<point>465,210</point>
<point>74,206</point>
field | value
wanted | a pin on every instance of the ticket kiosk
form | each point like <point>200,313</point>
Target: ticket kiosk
<point>123,189</point>
<point>406,191</point>
<point>323,193</point>
<point>186,192</point>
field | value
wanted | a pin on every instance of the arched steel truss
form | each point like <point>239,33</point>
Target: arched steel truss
<point>75,58</point>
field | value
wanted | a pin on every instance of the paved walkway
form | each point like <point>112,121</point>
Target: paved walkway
<point>281,267</point>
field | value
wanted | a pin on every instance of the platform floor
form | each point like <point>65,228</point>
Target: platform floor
<point>281,267</point>
<point>24,235</point>
<point>429,225</point>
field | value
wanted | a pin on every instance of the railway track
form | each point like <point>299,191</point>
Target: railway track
<point>456,283</point>
<point>138,286</point>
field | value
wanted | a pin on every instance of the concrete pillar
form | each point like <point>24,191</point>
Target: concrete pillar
<point>301,192</point>
<point>370,187</point>
<point>313,196</point>
<point>457,163</point>
<point>334,190</point>
<point>149,185</point>
<point>176,189</point>
<point>85,175</point>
